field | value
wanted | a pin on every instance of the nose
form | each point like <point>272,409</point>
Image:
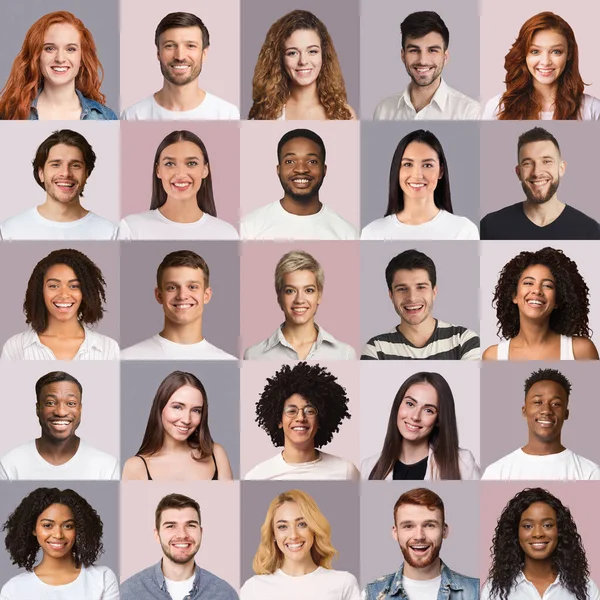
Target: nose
<point>546,58</point>
<point>302,58</point>
<point>301,166</point>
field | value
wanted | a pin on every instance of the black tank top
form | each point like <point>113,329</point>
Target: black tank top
<point>214,477</point>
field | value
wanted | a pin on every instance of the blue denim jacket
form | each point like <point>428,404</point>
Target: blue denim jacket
<point>454,586</point>
<point>90,110</point>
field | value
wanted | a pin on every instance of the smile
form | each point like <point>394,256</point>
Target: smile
<point>181,185</point>
<point>57,545</point>
<point>60,69</point>
<point>412,427</point>
<point>545,423</point>
<point>182,545</point>
<point>535,303</point>
<point>416,186</point>
<point>540,182</point>
<point>295,547</point>
<point>413,307</point>
<point>65,184</point>
<point>180,67</point>
<point>182,429</point>
<point>419,549</point>
<point>300,428</point>
<point>539,545</point>
<point>299,311</point>
<point>183,306</point>
<point>545,71</point>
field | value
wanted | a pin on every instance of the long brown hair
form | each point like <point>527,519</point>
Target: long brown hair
<point>25,78</point>
<point>443,439</point>
<point>200,439</point>
<point>521,101</point>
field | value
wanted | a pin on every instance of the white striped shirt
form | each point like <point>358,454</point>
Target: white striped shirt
<point>27,346</point>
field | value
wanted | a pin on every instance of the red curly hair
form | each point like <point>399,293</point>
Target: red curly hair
<point>520,101</point>
<point>25,78</point>
<point>271,84</point>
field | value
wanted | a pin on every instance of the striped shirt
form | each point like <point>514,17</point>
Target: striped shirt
<point>448,342</point>
<point>27,346</point>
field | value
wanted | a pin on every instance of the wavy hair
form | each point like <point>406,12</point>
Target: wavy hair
<point>443,439</point>
<point>508,558</point>
<point>25,79</point>
<point>441,194</point>
<point>269,558</point>
<point>520,101</point>
<point>200,439</point>
<point>204,196</point>
<point>570,317</point>
<point>271,84</point>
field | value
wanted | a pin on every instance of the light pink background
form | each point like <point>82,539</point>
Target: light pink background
<point>379,384</point>
<point>139,141</point>
<point>140,70</point>
<point>101,194</point>
<point>581,498</point>
<point>220,514</point>
<point>259,181</point>
<point>256,445</point>
<point>100,402</point>
<point>500,23</point>
<point>338,312</point>
<point>495,254</point>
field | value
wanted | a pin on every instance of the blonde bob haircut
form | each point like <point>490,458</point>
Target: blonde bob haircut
<point>269,558</point>
<point>298,260</point>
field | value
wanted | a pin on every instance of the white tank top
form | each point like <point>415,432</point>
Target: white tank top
<point>566,349</point>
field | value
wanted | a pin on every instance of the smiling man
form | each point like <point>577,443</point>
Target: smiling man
<point>182,42</point>
<point>425,40</point>
<point>182,289</point>
<point>178,530</point>
<point>545,409</point>
<point>420,529</point>
<point>61,167</point>
<point>299,215</point>
<point>541,216</point>
<point>411,279</point>
<point>58,453</point>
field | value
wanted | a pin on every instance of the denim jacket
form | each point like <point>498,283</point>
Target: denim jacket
<point>90,110</point>
<point>454,586</point>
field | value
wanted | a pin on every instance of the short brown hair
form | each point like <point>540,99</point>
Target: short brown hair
<point>177,501</point>
<point>182,258</point>
<point>421,497</point>
<point>298,260</point>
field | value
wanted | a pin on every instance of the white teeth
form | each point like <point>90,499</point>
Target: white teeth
<point>415,307</point>
<point>59,69</point>
<point>181,185</point>
<point>417,186</point>
<point>299,428</point>
<point>295,546</point>
<point>540,183</point>
<point>181,545</point>
<point>60,422</point>
<point>180,67</point>
<point>183,305</point>
<point>412,427</point>
<point>300,180</point>
<point>535,302</point>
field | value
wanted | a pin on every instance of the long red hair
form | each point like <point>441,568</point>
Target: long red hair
<point>520,101</point>
<point>25,78</point>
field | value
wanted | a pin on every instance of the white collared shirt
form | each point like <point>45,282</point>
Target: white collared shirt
<point>27,346</point>
<point>446,103</point>
<point>277,347</point>
<point>523,589</point>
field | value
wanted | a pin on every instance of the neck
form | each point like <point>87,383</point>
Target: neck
<point>63,329</point>
<point>412,452</point>
<point>297,569</point>
<point>177,572</point>
<point>59,96</point>
<point>180,97</point>
<point>62,213</point>
<point>423,573</point>
<point>543,214</point>
<point>57,452</point>
<point>418,211</point>
<point>300,334</point>
<point>539,569</point>
<point>547,94</point>
<point>54,565</point>
<point>190,333</point>
<point>310,206</point>
<point>172,446</point>
<point>300,454</point>
<point>305,94</point>
<point>420,333</point>
<point>181,211</point>
<point>538,447</point>
<point>533,333</point>
<point>421,95</point>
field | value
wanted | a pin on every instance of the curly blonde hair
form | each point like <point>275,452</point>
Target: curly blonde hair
<point>268,557</point>
<point>271,84</point>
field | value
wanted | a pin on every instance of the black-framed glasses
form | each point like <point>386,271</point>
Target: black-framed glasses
<point>308,411</point>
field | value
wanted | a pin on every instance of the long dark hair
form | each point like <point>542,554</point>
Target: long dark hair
<point>443,439</point>
<point>441,194</point>
<point>204,197</point>
<point>200,439</point>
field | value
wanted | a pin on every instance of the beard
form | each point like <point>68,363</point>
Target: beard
<point>421,563</point>
<point>536,199</point>
<point>176,559</point>
<point>168,74</point>
<point>437,72</point>
<point>304,195</point>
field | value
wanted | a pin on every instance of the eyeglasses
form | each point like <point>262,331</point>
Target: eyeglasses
<point>308,411</point>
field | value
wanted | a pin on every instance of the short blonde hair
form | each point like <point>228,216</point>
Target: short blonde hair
<point>298,260</point>
<point>268,557</point>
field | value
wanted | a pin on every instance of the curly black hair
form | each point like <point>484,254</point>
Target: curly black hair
<point>23,547</point>
<point>508,559</point>
<point>317,386</point>
<point>548,375</point>
<point>91,281</point>
<point>570,317</point>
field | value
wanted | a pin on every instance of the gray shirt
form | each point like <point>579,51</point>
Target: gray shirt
<point>150,584</point>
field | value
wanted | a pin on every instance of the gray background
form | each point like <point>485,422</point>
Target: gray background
<point>460,142</point>
<point>382,71</point>
<point>102,19</point>
<point>140,380</point>
<point>22,258</point>
<point>341,17</point>
<point>578,144</point>
<point>102,496</point>
<point>457,280</point>
<point>380,552</point>
<point>143,316</point>
<point>503,431</point>
<point>338,501</point>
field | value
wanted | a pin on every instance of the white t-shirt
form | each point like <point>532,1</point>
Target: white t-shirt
<point>30,225</point>
<point>153,225</point>
<point>321,584</point>
<point>444,226</point>
<point>422,590</point>
<point>523,589</point>
<point>212,108</point>
<point>25,462</point>
<point>158,347</point>
<point>564,465</point>
<point>327,466</point>
<point>92,583</point>
<point>590,112</point>
<point>273,222</point>
<point>178,590</point>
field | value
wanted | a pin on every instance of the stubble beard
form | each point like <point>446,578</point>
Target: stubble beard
<point>543,199</point>
<point>166,73</point>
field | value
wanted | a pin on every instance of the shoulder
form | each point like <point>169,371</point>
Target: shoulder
<point>134,469</point>
<point>101,110</point>
<point>495,470</point>
<point>100,572</point>
<point>584,348</point>
<point>135,584</point>
<point>592,590</point>
<point>469,469</point>
<point>502,218</point>
<point>210,351</point>
<point>469,108</point>
<point>458,226</point>
<point>108,346</point>
<point>219,451</point>
<point>588,468</point>
<point>148,348</point>
<point>366,465</point>
<point>214,583</point>
<point>224,108</point>
<point>345,229</point>
<point>490,112</point>
<point>15,345</point>
<point>490,353</point>
<point>591,107</point>
<point>377,229</point>
<point>582,220</point>
<point>18,585</point>
<point>139,110</point>
<point>221,228</point>
<point>258,351</point>
<point>266,468</point>
<point>387,105</point>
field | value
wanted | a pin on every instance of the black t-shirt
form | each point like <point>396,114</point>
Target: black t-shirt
<point>416,471</point>
<point>511,223</point>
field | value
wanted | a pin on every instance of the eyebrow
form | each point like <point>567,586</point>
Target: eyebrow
<point>553,46</point>
<point>177,283</point>
<point>59,280</point>
<point>173,158</point>
<point>417,401</point>
<point>418,283</point>
<point>424,160</point>
<point>192,521</point>
<point>296,154</point>
<point>437,46</point>
<point>53,521</point>
<point>284,521</point>
<point>531,158</point>
<point>307,47</point>
<point>532,519</point>
<point>183,41</point>
<point>410,522</point>
<point>544,279</point>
